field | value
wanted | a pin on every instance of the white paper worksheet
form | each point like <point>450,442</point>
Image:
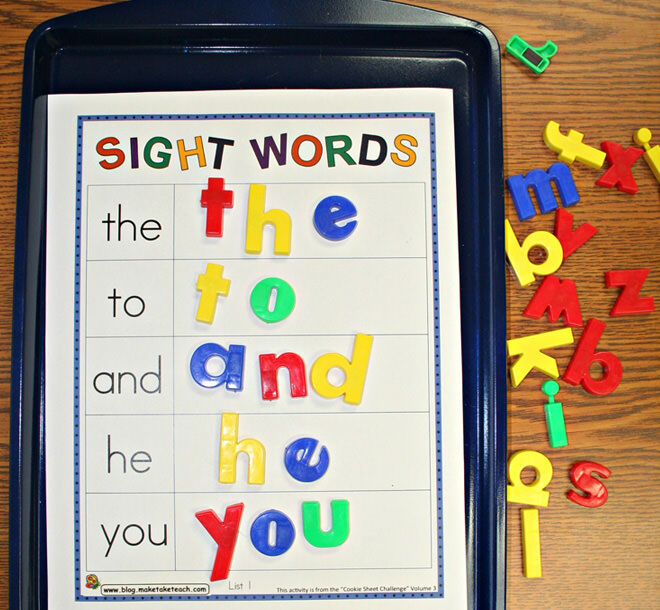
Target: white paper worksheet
<point>253,360</point>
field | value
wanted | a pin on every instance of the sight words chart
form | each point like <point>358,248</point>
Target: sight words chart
<point>253,361</point>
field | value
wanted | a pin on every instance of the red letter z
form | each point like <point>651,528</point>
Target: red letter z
<point>629,302</point>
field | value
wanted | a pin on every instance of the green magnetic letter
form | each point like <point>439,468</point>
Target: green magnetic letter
<point>337,534</point>
<point>285,299</point>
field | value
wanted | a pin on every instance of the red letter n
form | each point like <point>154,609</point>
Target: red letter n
<point>269,365</point>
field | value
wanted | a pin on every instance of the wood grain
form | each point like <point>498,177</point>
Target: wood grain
<point>605,82</point>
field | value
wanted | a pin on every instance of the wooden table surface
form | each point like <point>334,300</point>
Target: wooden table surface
<point>605,82</point>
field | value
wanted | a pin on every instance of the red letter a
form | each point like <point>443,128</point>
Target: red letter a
<point>225,534</point>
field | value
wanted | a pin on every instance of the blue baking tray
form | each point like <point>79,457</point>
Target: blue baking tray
<point>165,45</point>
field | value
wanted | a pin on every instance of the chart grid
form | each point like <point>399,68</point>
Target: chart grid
<point>432,337</point>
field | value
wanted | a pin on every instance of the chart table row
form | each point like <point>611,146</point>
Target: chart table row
<point>138,222</point>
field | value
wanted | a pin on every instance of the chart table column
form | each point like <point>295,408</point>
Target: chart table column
<point>126,474</point>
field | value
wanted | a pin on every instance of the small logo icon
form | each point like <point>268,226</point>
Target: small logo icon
<point>92,581</point>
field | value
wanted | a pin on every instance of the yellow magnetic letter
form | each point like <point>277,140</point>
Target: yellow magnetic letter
<point>257,217</point>
<point>519,255</point>
<point>570,146</point>
<point>229,448</point>
<point>355,372</point>
<point>529,349</point>
<point>210,284</point>
<point>642,138</point>
<point>534,493</point>
<point>531,540</point>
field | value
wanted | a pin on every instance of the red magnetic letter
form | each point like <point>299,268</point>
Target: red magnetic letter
<point>558,297</point>
<point>582,479</point>
<point>225,534</point>
<point>618,173</point>
<point>269,364</point>
<point>215,199</point>
<point>571,240</point>
<point>629,303</point>
<point>106,152</point>
<point>585,354</point>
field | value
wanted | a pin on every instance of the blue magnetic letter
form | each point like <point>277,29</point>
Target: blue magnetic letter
<point>329,212</point>
<point>539,180</point>
<point>284,533</point>
<point>232,374</point>
<point>298,455</point>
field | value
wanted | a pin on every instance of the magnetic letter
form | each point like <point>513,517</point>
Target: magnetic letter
<point>338,532</point>
<point>531,539</point>
<point>211,284</point>
<point>554,415</point>
<point>257,217</point>
<point>570,146</point>
<point>585,354</point>
<point>519,255</point>
<point>582,477</point>
<point>618,173</point>
<point>629,301</point>
<point>224,533</point>
<point>539,180</point>
<point>331,211</point>
<point>297,459</point>
<point>529,349</point>
<point>642,137</point>
<point>285,299</point>
<point>269,364</point>
<point>355,372</point>
<point>557,297</point>
<point>284,533</point>
<point>215,199</point>
<point>533,493</point>
<point>571,240</point>
<point>229,449</point>
<point>232,375</point>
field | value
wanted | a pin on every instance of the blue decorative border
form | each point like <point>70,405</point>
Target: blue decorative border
<point>76,423</point>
